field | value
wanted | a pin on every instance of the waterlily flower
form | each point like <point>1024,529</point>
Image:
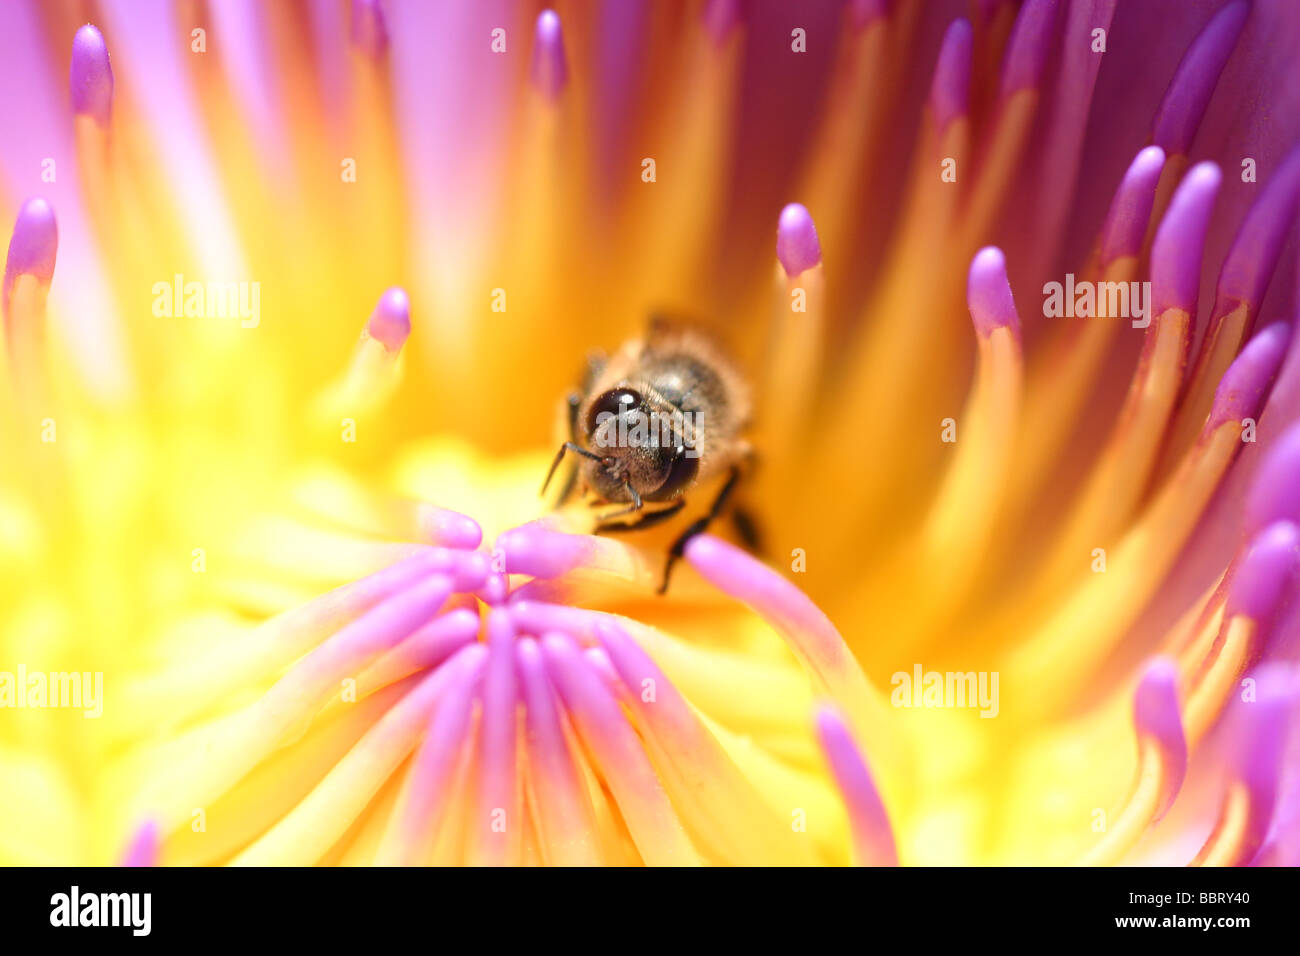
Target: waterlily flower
<point>293,292</point>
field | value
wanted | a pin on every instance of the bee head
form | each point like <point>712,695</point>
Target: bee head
<point>639,446</point>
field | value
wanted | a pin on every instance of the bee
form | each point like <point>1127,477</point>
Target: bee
<point>663,415</point>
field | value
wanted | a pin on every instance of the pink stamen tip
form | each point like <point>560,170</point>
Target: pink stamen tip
<point>1158,720</point>
<point>1275,493</point>
<point>369,29</point>
<point>950,88</point>
<point>873,838</point>
<point>449,529</point>
<point>1259,755</point>
<point>720,18</point>
<point>1130,211</point>
<point>1027,49</point>
<point>863,13</point>
<point>797,245</point>
<point>988,293</point>
<point>1180,241</point>
<point>1266,572</point>
<point>90,78</point>
<point>1194,81</point>
<point>531,549</point>
<point>1245,384</point>
<point>144,846</point>
<point>550,68</point>
<point>1250,261</point>
<point>34,245</point>
<point>390,322</point>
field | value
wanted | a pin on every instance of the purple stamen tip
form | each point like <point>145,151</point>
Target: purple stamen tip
<point>34,245</point>
<point>1260,755</point>
<point>369,28</point>
<point>720,18</point>
<point>1244,385</point>
<point>1180,241</point>
<point>1275,493</point>
<point>91,77</point>
<point>390,322</point>
<point>1189,92</point>
<point>863,13</point>
<point>1255,250</point>
<point>988,293</point>
<point>143,848</point>
<point>1126,220</point>
<point>1266,570</point>
<point>550,65</point>
<point>950,88</point>
<point>1156,714</point>
<point>1028,46</point>
<point>796,240</point>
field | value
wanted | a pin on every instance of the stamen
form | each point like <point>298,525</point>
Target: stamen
<point>796,241</point>
<point>559,802</point>
<point>1257,761</point>
<point>809,634</point>
<point>303,835</point>
<point>91,76</point>
<point>1258,584</point>
<point>873,837</point>
<point>721,17</point>
<point>143,849</point>
<point>1243,280</point>
<point>651,820</point>
<point>1275,491</point>
<point>1162,763</point>
<point>373,373</point>
<point>1189,92</point>
<point>1027,50</point>
<point>368,28</point>
<point>1180,242</point>
<point>550,70</point>
<point>732,818</point>
<point>498,828</point>
<point>421,810</point>
<point>950,87</point>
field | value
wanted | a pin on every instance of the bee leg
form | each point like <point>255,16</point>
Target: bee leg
<point>574,401</point>
<point>559,457</point>
<point>636,505</point>
<point>646,521</point>
<point>747,529</point>
<point>698,526</point>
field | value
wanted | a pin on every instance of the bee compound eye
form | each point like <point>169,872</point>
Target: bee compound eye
<point>615,402</point>
<point>681,473</point>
